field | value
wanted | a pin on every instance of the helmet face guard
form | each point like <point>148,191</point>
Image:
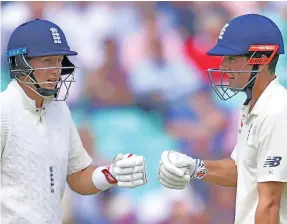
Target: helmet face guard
<point>219,79</point>
<point>20,67</point>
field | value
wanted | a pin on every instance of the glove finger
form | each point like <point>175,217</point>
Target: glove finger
<point>170,186</point>
<point>131,177</point>
<point>144,174</point>
<point>172,176</point>
<point>131,184</point>
<point>118,157</point>
<point>129,170</point>
<point>125,184</point>
<point>130,161</point>
<point>169,166</point>
<point>138,182</point>
<point>163,172</point>
<point>170,182</point>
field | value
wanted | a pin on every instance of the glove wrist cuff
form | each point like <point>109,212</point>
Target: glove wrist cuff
<point>200,170</point>
<point>103,179</point>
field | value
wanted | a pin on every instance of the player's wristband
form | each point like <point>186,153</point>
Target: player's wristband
<point>103,179</point>
<point>200,170</point>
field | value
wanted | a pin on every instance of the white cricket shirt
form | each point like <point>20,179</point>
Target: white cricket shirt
<point>261,151</point>
<point>38,150</point>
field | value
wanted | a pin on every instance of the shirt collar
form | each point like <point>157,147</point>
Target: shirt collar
<point>262,101</point>
<point>27,102</point>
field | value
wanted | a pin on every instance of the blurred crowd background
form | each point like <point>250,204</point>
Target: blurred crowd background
<point>142,87</point>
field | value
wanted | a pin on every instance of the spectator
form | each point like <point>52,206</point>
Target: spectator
<point>156,81</point>
<point>107,86</point>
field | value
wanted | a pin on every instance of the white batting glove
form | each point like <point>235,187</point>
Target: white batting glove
<point>176,170</point>
<point>127,171</point>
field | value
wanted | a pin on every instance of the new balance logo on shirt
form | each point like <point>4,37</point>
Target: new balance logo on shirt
<point>272,161</point>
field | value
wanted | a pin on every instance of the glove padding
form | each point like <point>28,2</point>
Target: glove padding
<point>176,170</point>
<point>129,170</point>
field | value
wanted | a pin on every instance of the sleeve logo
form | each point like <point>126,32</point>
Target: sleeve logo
<point>272,161</point>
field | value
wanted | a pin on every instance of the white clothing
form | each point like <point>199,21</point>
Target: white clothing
<point>39,149</point>
<point>261,151</point>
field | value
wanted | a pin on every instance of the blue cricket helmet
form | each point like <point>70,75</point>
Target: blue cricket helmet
<point>250,34</point>
<point>38,38</point>
<point>243,31</point>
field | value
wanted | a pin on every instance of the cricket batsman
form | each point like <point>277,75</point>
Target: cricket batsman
<point>40,145</point>
<point>250,46</point>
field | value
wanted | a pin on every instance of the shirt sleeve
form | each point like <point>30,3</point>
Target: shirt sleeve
<point>233,155</point>
<point>272,154</point>
<point>78,157</point>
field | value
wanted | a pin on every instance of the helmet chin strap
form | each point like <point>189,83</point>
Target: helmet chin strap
<point>45,93</point>
<point>42,91</point>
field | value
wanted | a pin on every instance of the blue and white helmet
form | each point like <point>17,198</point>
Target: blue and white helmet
<point>251,35</point>
<point>38,38</point>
